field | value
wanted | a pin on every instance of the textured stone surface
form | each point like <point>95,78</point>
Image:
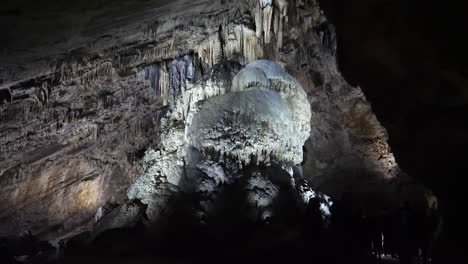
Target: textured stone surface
<point>124,216</point>
<point>80,105</point>
<point>243,123</point>
<point>270,117</point>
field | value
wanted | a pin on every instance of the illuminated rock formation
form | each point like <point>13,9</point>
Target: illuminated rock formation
<point>260,116</point>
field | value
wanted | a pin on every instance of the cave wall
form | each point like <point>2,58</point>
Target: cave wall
<point>79,108</point>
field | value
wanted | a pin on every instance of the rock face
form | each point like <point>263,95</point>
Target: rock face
<point>81,109</point>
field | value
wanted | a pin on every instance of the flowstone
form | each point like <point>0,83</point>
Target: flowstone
<point>223,130</point>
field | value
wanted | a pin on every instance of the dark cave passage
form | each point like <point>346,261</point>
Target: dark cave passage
<point>400,46</point>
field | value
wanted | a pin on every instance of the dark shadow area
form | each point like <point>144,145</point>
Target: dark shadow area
<point>290,234</point>
<point>409,58</point>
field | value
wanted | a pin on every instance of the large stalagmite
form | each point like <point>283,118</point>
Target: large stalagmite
<point>260,116</point>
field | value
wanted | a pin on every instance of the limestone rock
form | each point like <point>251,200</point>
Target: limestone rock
<point>126,215</point>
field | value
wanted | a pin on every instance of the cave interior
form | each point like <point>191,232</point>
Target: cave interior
<point>256,131</point>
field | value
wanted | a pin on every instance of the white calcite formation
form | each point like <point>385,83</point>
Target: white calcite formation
<point>262,114</point>
<point>306,193</point>
<point>261,193</point>
<point>266,116</point>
